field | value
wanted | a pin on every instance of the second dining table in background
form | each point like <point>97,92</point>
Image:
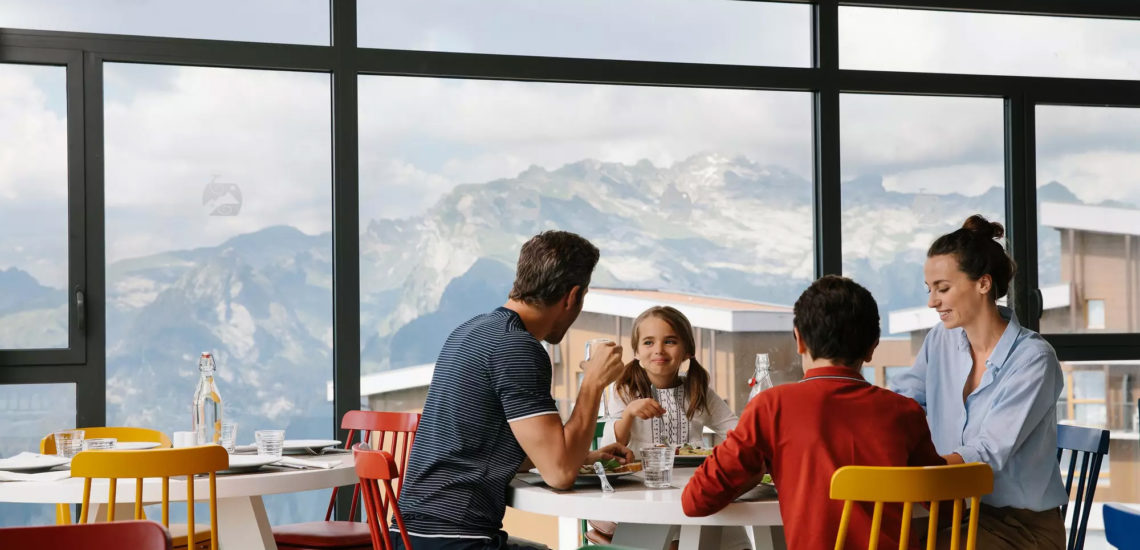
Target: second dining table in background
<point>242,521</point>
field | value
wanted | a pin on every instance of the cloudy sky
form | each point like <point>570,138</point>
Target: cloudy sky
<point>171,131</point>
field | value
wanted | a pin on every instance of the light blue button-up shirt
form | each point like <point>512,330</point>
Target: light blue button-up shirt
<point>1009,421</point>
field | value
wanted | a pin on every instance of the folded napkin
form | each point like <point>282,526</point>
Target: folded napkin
<point>293,462</point>
<point>54,475</point>
<point>27,460</point>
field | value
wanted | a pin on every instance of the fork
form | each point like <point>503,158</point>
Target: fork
<point>601,471</point>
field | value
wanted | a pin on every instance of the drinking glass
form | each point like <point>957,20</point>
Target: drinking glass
<point>657,466</point>
<point>607,392</point>
<point>269,442</point>
<point>99,443</point>
<point>68,443</point>
<point>184,439</point>
<point>228,435</point>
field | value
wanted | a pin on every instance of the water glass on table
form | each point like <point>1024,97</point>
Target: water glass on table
<point>97,443</point>
<point>228,436</point>
<point>184,439</point>
<point>657,466</point>
<point>68,443</point>
<point>269,442</point>
<point>608,390</point>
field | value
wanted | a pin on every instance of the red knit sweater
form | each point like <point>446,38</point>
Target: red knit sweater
<point>801,433</point>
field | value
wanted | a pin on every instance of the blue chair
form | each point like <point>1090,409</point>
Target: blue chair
<point>1089,446</point>
<point>1121,527</point>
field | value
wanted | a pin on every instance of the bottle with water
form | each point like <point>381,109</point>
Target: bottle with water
<point>207,403</point>
<point>761,379</point>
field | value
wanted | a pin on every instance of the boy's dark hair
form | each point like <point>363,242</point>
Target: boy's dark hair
<point>837,319</point>
<point>550,264</point>
<point>978,253</point>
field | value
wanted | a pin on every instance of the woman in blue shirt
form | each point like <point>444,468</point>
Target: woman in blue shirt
<point>990,389</point>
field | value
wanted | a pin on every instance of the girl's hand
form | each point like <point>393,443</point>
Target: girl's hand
<point>644,409</point>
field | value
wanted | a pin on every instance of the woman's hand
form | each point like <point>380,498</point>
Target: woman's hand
<point>644,409</point>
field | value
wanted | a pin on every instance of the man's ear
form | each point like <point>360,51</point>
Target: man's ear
<point>570,301</point>
<point>801,348</point>
<point>871,352</point>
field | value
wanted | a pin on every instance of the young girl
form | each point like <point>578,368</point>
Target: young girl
<point>656,403</point>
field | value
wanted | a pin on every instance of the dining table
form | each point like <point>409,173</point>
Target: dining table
<point>242,520</point>
<point>650,518</point>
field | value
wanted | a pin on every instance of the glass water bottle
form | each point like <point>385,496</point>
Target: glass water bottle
<point>207,403</point>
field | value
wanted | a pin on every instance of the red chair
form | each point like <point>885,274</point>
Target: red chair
<point>394,433</point>
<point>376,468</point>
<point>136,535</point>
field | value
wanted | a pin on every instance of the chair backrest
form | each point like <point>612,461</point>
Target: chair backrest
<point>909,485</point>
<point>393,431</point>
<point>136,535</point>
<point>163,463</point>
<point>1121,527</point>
<point>122,433</point>
<point>1089,446</point>
<point>377,468</point>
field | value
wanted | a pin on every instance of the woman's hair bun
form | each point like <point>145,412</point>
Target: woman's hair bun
<point>981,227</point>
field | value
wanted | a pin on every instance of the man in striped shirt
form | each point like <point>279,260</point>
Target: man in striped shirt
<point>489,411</point>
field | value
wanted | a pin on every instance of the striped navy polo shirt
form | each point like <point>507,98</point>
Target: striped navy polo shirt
<point>490,372</point>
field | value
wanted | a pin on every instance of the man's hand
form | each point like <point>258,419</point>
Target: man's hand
<point>644,409</point>
<point>614,450</point>
<point>604,366</point>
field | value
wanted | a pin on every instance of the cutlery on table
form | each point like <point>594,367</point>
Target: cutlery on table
<point>601,471</point>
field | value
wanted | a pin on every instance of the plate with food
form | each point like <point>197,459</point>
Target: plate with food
<point>688,455</point>
<point>614,470</point>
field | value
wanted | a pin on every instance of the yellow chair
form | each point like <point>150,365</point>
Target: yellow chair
<point>164,463</point>
<point>909,485</point>
<point>121,433</point>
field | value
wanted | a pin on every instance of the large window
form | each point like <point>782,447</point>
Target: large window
<point>218,239</point>
<point>702,192</point>
<point>692,31</point>
<point>285,21</point>
<point>1088,196</point>
<point>987,43</point>
<point>913,168</point>
<point>221,173</point>
<point>33,208</point>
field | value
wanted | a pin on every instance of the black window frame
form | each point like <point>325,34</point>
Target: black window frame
<point>84,54</point>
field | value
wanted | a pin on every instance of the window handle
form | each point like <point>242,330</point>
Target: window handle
<point>1037,305</point>
<point>80,309</point>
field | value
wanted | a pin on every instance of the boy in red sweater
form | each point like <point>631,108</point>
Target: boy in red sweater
<point>802,432</point>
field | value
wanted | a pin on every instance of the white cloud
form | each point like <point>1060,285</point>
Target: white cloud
<point>1095,176</point>
<point>978,43</point>
<point>268,132</point>
<point>966,179</point>
<point>33,143</point>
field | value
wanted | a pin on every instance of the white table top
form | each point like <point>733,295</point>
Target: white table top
<point>228,486</point>
<point>636,504</point>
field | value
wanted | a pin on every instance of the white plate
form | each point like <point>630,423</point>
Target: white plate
<point>294,446</point>
<point>135,445</point>
<point>245,463</point>
<point>314,444</point>
<point>28,462</point>
<point>593,477</point>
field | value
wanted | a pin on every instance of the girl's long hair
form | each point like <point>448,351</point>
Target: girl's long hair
<point>634,382</point>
